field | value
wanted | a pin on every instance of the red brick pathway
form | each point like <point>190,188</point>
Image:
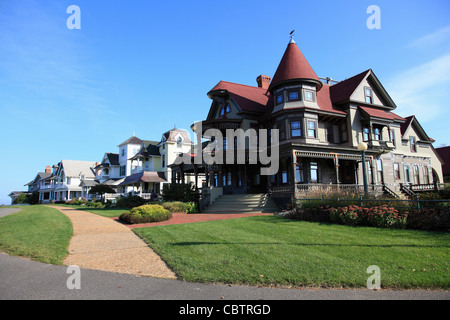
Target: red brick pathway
<point>179,218</point>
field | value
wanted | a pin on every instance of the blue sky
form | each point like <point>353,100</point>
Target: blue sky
<point>144,66</point>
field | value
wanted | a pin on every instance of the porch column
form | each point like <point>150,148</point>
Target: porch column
<point>336,165</point>
<point>196,175</point>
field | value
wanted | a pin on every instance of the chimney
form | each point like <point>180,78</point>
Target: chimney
<point>263,81</point>
<point>48,169</point>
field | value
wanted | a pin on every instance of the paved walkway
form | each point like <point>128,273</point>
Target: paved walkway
<point>179,218</point>
<point>7,211</point>
<point>100,243</point>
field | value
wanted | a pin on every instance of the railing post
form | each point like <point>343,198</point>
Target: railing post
<point>418,203</point>
<point>360,200</point>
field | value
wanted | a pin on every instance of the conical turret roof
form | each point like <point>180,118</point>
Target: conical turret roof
<point>294,66</point>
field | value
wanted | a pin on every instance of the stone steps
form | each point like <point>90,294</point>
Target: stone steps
<point>242,203</point>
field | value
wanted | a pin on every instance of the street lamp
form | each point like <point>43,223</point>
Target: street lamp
<point>363,147</point>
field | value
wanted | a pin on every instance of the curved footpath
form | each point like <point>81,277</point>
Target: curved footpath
<point>100,243</point>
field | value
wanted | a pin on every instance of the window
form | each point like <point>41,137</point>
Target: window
<point>222,112</point>
<point>368,95</point>
<point>123,170</point>
<point>179,142</point>
<point>163,160</point>
<point>309,95</point>
<point>396,171</point>
<point>299,173</point>
<point>426,175</point>
<point>366,134</point>
<point>311,129</point>
<point>379,171</point>
<point>296,129</point>
<point>392,136</point>
<point>416,174</point>
<point>412,141</point>
<point>377,134</point>
<point>279,98</point>
<point>293,96</point>
<point>407,174</point>
<point>314,172</point>
<point>284,177</point>
<point>227,109</point>
<point>224,143</point>
<point>123,152</point>
<point>68,180</point>
<point>229,179</point>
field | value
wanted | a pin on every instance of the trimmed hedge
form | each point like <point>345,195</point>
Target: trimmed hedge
<point>145,214</point>
<point>436,219</point>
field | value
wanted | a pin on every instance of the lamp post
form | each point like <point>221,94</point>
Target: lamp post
<point>363,147</point>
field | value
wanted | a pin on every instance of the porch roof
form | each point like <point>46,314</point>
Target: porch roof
<point>146,176</point>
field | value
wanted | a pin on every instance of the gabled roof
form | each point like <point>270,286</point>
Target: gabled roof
<point>412,121</point>
<point>75,168</point>
<point>294,66</point>
<point>248,98</point>
<point>343,90</point>
<point>113,158</point>
<point>132,140</point>
<point>171,134</point>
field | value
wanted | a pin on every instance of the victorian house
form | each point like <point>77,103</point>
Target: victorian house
<point>321,123</point>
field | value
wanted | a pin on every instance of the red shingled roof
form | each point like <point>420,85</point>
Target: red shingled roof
<point>247,97</point>
<point>293,66</point>
<point>343,90</point>
<point>379,113</point>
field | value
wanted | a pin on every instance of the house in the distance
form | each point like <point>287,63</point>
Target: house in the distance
<point>64,182</point>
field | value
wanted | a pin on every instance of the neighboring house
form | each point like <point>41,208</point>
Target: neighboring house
<point>444,152</point>
<point>15,194</point>
<point>64,182</point>
<point>321,123</point>
<point>38,183</point>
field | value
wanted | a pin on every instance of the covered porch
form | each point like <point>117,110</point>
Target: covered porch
<point>143,183</point>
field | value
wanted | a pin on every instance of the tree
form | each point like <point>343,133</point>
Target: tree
<point>101,189</point>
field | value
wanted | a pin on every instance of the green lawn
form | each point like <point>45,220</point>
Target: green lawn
<point>271,250</point>
<point>38,232</point>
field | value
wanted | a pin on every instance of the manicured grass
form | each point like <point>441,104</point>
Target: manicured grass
<point>108,213</point>
<point>271,250</point>
<point>38,232</point>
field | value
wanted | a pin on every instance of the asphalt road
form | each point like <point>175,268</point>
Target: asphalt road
<point>28,280</point>
<point>7,211</point>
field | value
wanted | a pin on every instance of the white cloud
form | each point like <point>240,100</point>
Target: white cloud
<point>440,36</point>
<point>422,90</point>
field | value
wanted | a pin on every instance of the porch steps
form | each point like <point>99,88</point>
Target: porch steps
<point>242,203</point>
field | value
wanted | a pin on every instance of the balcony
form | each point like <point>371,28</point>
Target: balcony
<point>138,169</point>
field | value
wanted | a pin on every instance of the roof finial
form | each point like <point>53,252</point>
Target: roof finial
<point>292,37</point>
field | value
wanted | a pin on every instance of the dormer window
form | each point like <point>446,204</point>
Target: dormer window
<point>224,110</point>
<point>368,94</point>
<point>377,134</point>
<point>366,134</point>
<point>293,96</point>
<point>413,146</point>
<point>279,98</point>
<point>309,95</point>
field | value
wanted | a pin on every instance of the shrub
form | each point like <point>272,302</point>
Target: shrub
<point>180,192</point>
<point>129,202</point>
<point>437,219</point>
<point>175,206</point>
<point>192,207</point>
<point>145,214</point>
<point>95,204</point>
<point>75,201</point>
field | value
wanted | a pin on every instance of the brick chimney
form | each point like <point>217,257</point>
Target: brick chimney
<point>48,169</point>
<point>263,81</point>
